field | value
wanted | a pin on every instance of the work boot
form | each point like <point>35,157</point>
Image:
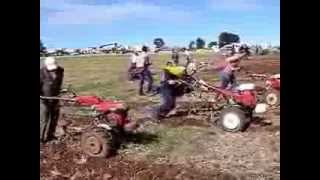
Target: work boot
<point>130,127</point>
<point>48,140</point>
<point>53,138</point>
<point>153,113</point>
<point>150,90</point>
<point>171,113</point>
<point>42,141</point>
<point>141,93</point>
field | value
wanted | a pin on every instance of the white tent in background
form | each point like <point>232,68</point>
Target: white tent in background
<point>51,50</point>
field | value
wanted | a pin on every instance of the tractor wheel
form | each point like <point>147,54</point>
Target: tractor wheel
<point>272,97</point>
<point>97,142</point>
<point>233,119</point>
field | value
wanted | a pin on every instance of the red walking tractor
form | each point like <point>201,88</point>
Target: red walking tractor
<point>110,122</point>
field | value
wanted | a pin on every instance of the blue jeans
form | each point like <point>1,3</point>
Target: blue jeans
<point>226,79</point>
<point>145,75</point>
<point>167,99</point>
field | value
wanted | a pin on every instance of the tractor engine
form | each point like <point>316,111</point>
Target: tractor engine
<point>114,114</point>
<point>245,96</point>
<point>111,113</point>
<point>273,83</point>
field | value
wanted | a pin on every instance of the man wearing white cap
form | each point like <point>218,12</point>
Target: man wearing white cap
<point>51,78</point>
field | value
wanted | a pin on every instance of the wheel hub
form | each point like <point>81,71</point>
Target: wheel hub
<point>272,99</point>
<point>93,145</point>
<point>231,121</point>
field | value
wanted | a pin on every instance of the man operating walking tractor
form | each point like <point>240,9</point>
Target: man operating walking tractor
<point>51,78</point>
<point>170,89</point>
<point>227,69</point>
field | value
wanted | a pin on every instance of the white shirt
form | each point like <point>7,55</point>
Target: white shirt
<point>133,58</point>
<point>139,59</point>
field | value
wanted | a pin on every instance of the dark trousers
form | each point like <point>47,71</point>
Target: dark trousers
<point>176,60</point>
<point>167,99</point>
<point>49,115</point>
<point>188,61</point>
<point>130,74</point>
<point>144,76</point>
<point>226,79</point>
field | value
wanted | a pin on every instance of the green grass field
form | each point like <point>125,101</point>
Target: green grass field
<point>106,76</point>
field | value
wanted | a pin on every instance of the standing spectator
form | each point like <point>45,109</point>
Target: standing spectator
<point>142,65</point>
<point>132,67</point>
<point>175,56</point>
<point>244,49</point>
<point>188,56</point>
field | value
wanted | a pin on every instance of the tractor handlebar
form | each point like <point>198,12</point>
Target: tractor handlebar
<point>56,98</point>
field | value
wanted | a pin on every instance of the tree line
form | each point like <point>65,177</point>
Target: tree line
<point>223,39</point>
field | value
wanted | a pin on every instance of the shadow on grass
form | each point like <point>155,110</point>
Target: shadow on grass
<point>260,121</point>
<point>143,138</point>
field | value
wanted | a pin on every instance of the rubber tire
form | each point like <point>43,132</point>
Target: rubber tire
<point>104,141</point>
<point>276,93</point>
<point>238,112</point>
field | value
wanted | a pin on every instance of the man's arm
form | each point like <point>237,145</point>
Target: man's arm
<point>61,78</point>
<point>41,82</point>
<point>242,55</point>
<point>236,68</point>
<point>216,67</point>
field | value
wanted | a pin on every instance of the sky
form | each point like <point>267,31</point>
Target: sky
<point>89,23</point>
